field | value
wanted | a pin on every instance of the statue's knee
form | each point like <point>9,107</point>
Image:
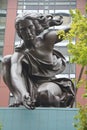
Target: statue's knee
<point>42,98</point>
<point>43,94</point>
<point>6,59</point>
<point>46,98</point>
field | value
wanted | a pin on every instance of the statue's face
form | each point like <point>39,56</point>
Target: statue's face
<point>27,30</point>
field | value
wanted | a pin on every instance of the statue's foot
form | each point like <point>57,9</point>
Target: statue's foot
<point>28,103</point>
<point>15,104</point>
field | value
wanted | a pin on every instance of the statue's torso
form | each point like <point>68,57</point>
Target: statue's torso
<point>42,51</point>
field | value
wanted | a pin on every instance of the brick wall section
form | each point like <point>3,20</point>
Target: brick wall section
<point>81,5</point>
<point>79,97</point>
<point>8,46</point>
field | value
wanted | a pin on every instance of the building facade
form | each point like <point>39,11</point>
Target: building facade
<point>8,38</point>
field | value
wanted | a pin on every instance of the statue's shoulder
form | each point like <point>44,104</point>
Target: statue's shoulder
<point>44,33</point>
<point>19,46</point>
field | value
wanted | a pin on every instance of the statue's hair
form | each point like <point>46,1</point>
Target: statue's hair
<point>40,21</point>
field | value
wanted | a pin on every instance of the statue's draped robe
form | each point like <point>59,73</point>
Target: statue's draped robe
<point>35,72</point>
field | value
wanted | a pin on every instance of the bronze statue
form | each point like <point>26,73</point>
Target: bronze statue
<point>30,72</point>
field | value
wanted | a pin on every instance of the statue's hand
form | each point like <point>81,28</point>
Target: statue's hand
<point>28,103</point>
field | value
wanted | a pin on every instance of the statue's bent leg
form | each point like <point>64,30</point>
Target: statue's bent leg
<point>6,68</point>
<point>7,77</point>
<point>49,94</point>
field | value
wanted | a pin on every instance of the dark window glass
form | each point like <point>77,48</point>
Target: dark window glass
<point>3,4</point>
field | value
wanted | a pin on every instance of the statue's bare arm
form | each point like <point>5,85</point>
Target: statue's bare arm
<point>52,37</point>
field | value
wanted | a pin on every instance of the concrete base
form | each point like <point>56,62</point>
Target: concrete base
<point>38,119</point>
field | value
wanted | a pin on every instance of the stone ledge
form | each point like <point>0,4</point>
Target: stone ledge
<point>38,119</point>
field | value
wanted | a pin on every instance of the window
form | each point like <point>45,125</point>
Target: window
<point>3,5</point>
<point>52,5</point>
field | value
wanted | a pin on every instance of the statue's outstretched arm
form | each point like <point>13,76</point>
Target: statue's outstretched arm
<point>52,36</point>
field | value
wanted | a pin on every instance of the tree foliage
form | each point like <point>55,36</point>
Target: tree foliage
<point>81,118</point>
<point>78,31</point>
<point>78,52</point>
<point>0,126</point>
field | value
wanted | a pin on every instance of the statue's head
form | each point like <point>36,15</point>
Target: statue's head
<point>27,26</point>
